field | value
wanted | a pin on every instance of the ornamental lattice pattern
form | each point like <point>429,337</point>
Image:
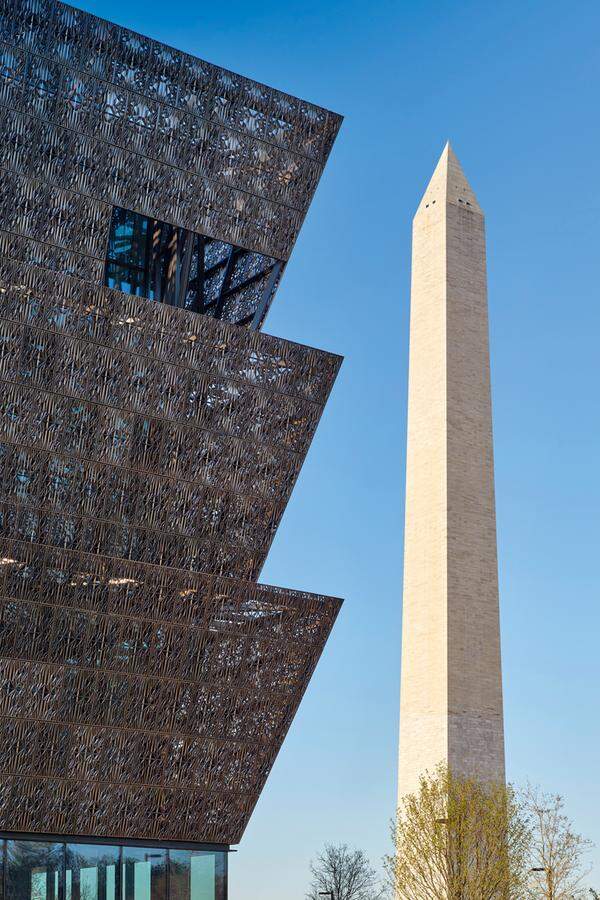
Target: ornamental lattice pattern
<point>144,702</point>
<point>104,443</point>
<point>154,130</point>
<point>142,447</point>
<point>147,453</point>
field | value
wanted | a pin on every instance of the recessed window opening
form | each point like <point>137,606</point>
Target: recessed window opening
<point>173,265</point>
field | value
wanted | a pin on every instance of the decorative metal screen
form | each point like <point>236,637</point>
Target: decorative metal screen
<point>139,701</point>
<point>94,116</point>
<point>147,453</point>
<point>147,432</point>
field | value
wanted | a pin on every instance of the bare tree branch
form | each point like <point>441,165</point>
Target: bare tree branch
<point>346,872</point>
<point>556,852</point>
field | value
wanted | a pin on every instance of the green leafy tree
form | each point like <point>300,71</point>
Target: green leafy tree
<point>457,839</point>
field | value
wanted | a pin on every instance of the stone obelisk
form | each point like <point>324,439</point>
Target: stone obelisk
<point>451,689</point>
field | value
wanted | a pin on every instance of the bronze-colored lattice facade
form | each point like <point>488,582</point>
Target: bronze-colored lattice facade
<point>146,452</point>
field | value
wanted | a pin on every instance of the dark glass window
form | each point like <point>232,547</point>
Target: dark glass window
<point>144,873</point>
<point>162,262</point>
<point>40,870</point>
<point>197,875</point>
<point>33,870</point>
<point>91,872</point>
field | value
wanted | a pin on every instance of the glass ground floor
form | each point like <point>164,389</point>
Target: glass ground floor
<point>68,870</point>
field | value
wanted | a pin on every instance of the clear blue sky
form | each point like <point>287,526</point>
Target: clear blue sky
<point>515,87</point>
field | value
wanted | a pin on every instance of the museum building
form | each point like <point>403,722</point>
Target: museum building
<point>150,437</point>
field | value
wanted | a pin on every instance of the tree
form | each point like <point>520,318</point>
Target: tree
<point>346,872</point>
<point>557,851</point>
<point>457,839</point>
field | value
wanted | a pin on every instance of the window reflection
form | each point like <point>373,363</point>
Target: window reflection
<point>197,875</point>
<point>41,870</point>
<point>91,872</point>
<point>162,262</point>
<point>128,238</point>
<point>33,870</point>
<point>144,873</point>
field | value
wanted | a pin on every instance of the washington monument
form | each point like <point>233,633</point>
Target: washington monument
<point>451,692</point>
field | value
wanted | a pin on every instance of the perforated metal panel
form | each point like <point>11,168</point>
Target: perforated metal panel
<point>153,130</point>
<point>141,701</point>
<point>146,452</point>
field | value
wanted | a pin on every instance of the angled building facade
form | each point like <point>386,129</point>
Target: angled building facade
<point>150,437</point>
<point>451,687</point>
